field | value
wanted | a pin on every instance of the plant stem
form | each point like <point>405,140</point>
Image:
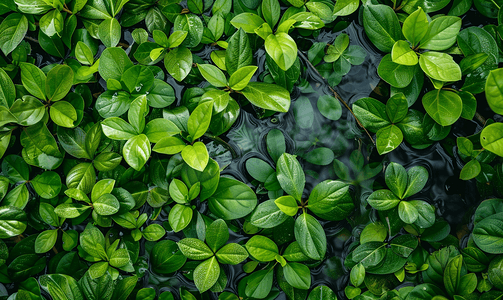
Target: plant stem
<point>335,94</point>
<point>31,39</point>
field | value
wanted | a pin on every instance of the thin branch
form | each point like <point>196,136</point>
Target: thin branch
<point>336,95</point>
<point>31,39</point>
<point>480,118</point>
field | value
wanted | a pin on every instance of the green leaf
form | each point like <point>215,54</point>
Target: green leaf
<point>331,200</point>
<point>491,138</point>
<point>407,212</point>
<point>282,48</point>
<point>398,76</point>
<point>13,221</point>
<point>396,179</point>
<point>219,98</point>
<point>136,151</point>
<point>268,215</point>
<point>345,7</point>
<point>442,33</point>
<point>46,240</point>
<point>113,63</point>
<point>262,248</point>
<point>329,107</point>
<point>259,283</point>
<point>193,25</point>
<point>357,275</point>
<point>443,106</point>
<point>137,112</point>
<point>231,254</point>
<point>107,161</point>
<point>271,11</point>
<point>239,53</point>
<point>138,79</point>
<point>119,258</point>
<point>288,205</point>
<point>388,139</point>
<point>199,120</point>
<point>374,232</point>
<point>247,21</point>
<point>213,75</point>
<point>232,199</point>
<point>383,200</point>
<point>27,110</point>
<point>322,292</point>
<point>161,95</point>
<point>487,234</point>
<point>369,254</point>
<point>452,274</point>
<point>82,177</point>
<point>416,180</point>
<point>217,234</point>
<point>415,26</point>
<point>47,185</point>
<point>240,79</point>
<point>290,175</point>
<point>112,104</point>
<point>71,210</point>
<point>178,191</point>
<point>117,129</point>
<point>106,205</point>
<point>371,113</point>
<point>397,108</point>
<point>297,275</point>
<point>179,217</point>
<point>176,38</point>
<point>267,96</point>
<point>196,156</point>
<point>52,23</point>
<point>470,170</point>
<point>33,79</point>
<point>194,249</point>
<point>169,145</point>
<point>13,28</point>
<point>178,63</point>
<point>166,257</point>
<point>64,286</point>
<point>7,90</point>
<point>494,91</point>
<point>93,241</point>
<point>63,114</point>
<point>440,66</point>
<point>206,274</point>
<point>109,32</point>
<point>307,20</point>
<point>402,54</point>
<point>381,26</point>
<point>311,236</point>
<point>335,51</point>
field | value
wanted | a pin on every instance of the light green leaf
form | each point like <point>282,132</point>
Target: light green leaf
<point>440,66</point>
<point>267,96</point>
<point>282,48</point>
<point>136,151</point>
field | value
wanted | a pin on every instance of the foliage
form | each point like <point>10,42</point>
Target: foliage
<point>134,164</point>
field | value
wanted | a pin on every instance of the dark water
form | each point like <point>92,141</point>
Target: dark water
<point>453,198</point>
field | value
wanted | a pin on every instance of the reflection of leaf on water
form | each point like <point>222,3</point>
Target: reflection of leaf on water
<point>220,154</point>
<point>245,138</point>
<point>358,173</point>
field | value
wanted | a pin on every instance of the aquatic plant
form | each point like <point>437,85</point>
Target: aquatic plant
<point>242,149</point>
